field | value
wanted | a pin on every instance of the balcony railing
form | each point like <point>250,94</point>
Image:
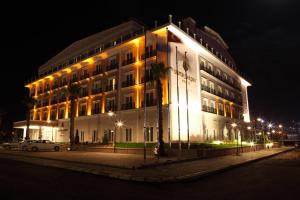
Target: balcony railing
<point>62,99</point>
<point>220,77</point>
<point>128,62</point>
<point>96,90</point>
<point>110,88</point>
<point>128,83</point>
<point>73,80</point>
<point>148,54</point>
<point>84,76</point>
<point>96,72</point>
<point>83,94</point>
<point>209,109</point>
<point>112,66</point>
<point>127,106</point>
<point>149,103</point>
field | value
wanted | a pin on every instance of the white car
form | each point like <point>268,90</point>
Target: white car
<point>43,145</point>
<point>24,145</point>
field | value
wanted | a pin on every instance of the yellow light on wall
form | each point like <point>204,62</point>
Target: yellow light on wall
<point>67,110</point>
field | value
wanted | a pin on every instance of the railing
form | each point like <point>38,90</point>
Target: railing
<point>148,54</point>
<point>220,77</point>
<point>150,103</point>
<point>62,99</point>
<point>83,94</point>
<point>128,62</point>
<point>209,109</point>
<point>73,80</point>
<point>82,77</point>
<point>110,88</point>
<point>128,83</point>
<point>127,106</point>
<point>96,72</point>
<point>112,66</point>
<point>97,90</point>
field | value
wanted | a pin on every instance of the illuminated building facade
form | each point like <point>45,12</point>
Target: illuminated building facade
<point>109,67</point>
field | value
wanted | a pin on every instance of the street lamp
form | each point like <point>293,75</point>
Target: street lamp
<point>251,135</point>
<point>234,125</point>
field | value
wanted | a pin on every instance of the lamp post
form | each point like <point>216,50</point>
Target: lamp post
<point>118,124</point>
<point>270,126</point>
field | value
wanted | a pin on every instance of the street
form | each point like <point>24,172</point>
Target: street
<point>274,178</point>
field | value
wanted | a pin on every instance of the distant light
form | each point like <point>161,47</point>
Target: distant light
<point>249,127</point>
<point>270,125</point>
<point>273,131</point>
<point>48,121</point>
<point>262,121</point>
<point>280,126</point>
<point>259,119</point>
<point>251,144</point>
<point>233,125</point>
<point>218,142</point>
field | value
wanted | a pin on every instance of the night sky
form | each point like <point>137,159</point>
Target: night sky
<point>263,37</point>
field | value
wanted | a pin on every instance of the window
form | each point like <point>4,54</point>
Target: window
<point>128,100</point>
<point>110,104</point>
<point>205,102</point>
<point>128,135</point>
<point>82,109</point>
<point>227,92</point>
<point>74,76</point>
<point>84,91</point>
<point>204,81</point>
<point>98,68</point>
<point>213,104</point>
<point>219,89</point>
<point>97,84</point>
<point>219,72</point>
<point>95,136</point>
<point>129,77</point>
<point>129,56</point>
<point>112,83</point>
<point>225,76</point>
<point>211,85</point>
<point>81,136</point>
<point>220,107</point>
<point>149,134</point>
<point>110,134</point>
<point>61,113</point>
<point>96,107</point>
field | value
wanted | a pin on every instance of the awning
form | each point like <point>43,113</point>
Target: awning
<point>36,124</point>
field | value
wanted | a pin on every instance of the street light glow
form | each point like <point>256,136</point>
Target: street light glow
<point>273,131</point>
<point>259,119</point>
<point>270,125</point>
<point>110,113</point>
<point>233,125</point>
<point>280,126</point>
<point>249,127</point>
<point>119,123</point>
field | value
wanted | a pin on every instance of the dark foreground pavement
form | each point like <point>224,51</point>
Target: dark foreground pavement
<point>275,178</point>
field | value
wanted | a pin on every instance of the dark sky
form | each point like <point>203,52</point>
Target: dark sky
<point>263,37</point>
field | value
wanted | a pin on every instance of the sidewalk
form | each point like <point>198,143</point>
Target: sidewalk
<point>131,167</point>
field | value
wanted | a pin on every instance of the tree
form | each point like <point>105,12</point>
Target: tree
<point>29,103</point>
<point>73,91</point>
<point>159,72</point>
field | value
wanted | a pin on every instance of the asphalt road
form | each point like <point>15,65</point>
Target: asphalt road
<point>274,178</point>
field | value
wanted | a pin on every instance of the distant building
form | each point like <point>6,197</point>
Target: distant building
<point>109,67</point>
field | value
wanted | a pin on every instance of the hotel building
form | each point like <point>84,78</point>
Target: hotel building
<point>110,68</point>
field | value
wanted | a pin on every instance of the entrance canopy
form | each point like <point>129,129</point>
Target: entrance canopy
<point>36,124</point>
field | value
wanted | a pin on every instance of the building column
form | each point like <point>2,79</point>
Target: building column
<point>224,108</point>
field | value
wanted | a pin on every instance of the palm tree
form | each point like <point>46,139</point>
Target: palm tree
<point>73,90</point>
<point>159,72</point>
<point>29,103</point>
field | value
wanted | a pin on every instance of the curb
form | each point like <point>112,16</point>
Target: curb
<point>127,177</point>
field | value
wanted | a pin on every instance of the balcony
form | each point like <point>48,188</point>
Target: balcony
<point>208,89</point>
<point>221,112</point>
<point>55,86</point>
<point>148,54</point>
<point>40,92</point>
<point>96,90</point>
<point>220,77</point>
<point>128,62</point>
<point>73,80</point>
<point>110,88</point>
<point>149,103</point>
<point>209,109</point>
<point>95,111</point>
<point>53,101</point>
<point>148,79</point>
<point>62,99</point>
<point>128,83</point>
<point>63,83</point>
<point>61,115</point>
<point>84,76</point>
<point>112,66</point>
<point>128,105</point>
<point>53,117</point>
<point>96,72</point>
<point>83,94</point>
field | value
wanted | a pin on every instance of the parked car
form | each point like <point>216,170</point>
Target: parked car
<point>24,145</point>
<point>10,145</point>
<point>43,145</point>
